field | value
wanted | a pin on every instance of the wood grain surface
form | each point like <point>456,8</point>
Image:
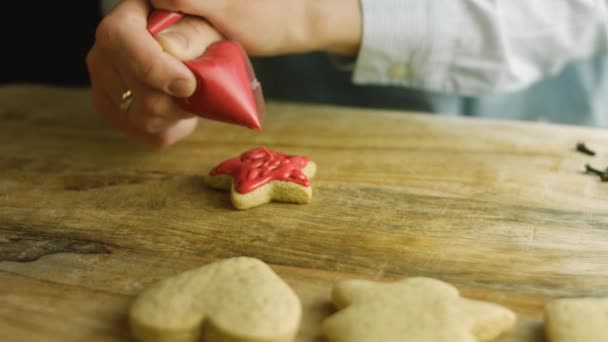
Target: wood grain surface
<point>502,210</point>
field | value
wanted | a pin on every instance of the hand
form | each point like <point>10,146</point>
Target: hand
<point>274,27</point>
<point>126,57</point>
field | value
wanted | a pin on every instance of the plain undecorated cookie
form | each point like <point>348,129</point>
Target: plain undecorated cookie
<point>413,310</point>
<point>235,300</point>
<point>577,320</point>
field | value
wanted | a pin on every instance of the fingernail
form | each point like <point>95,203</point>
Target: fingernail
<point>181,88</point>
<point>155,125</point>
<point>177,40</point>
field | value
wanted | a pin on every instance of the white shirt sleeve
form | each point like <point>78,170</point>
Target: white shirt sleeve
<point>471,47</point>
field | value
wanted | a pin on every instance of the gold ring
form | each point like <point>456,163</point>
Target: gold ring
<point>126,99</point>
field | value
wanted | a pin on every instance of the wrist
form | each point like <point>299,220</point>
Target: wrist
<point>337,26</point>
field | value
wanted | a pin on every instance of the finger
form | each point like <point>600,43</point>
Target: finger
<point>107,87</point>
<point>213,11</point>
<point>207,8</point>
<point>124,36</point>
<point>172,133</point>
<point>103,76</point>
<point>188,38</point>
<point>175,133</point>
<point>106,90</point>
<point>154,122</point>
<point>151,110</point>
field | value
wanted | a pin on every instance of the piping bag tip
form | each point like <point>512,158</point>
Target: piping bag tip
<point>227,89</point>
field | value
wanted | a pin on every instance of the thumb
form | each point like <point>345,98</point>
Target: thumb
<point>188,38</point>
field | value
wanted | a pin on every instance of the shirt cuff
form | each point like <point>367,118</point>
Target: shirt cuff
<point>398,45</point>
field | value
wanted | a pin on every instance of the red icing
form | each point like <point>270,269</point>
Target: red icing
<point>259,166</point>
<point>227,89</point>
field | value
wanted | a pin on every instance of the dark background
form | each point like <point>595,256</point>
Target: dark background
<point>47,41</point>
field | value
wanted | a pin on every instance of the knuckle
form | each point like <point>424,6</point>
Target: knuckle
<point>138,121</point>
<point>147,69</point>
<point>105,32</point>
<point>111,29</point>
<point>91,60</point>
<point>162,140</point>
<point>153,106</point>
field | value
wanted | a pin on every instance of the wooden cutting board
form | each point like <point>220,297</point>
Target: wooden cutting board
<point>502,210</point>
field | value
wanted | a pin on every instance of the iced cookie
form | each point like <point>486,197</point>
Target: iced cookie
<point>239,299</point>
<point>413,310</point>
<point>260,176</point>
<point>577,320</point>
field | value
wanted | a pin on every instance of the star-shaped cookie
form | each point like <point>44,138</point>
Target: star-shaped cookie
<point>260,176</point>
<point>577,320</point>
<point>413,310</point>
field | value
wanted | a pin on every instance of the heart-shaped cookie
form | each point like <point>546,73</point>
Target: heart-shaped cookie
<point>238,299</point>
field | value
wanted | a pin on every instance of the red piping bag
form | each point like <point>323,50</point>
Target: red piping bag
<point>226,87</point>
